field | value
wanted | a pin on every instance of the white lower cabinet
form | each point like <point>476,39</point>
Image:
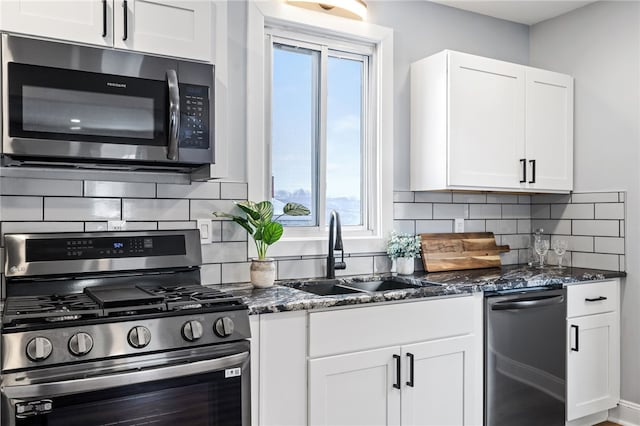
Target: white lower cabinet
<point>593,348</point>
<point>437,381</point>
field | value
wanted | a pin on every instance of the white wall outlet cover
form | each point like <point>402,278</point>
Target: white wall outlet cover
<point>116,225</point>
<point>206,233</point>
<point>459,225</point>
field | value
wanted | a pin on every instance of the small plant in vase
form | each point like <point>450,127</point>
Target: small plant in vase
<point>403,248</point>
<point>265,231</point>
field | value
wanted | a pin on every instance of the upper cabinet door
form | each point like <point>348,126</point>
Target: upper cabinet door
<point>88,21</point>
<point>486,122</point>
<point>175,28</point>
<point>549,130</point>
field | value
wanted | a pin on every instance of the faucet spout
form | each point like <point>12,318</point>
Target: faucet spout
<point>332,265</point>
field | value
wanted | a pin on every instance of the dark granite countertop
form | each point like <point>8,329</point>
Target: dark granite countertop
<point>284,296</point>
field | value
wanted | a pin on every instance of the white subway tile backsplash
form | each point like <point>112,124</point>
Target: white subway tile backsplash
<point>562,227</point>
<point>381,264</point>
<point>405,226</point>
<point>516,241</point>
<point>51,187</point>
<point>140,226</point>
<point>412,211</point>
<point>177,225</point>
<point>622,228</point>
<point>516,211</point>
<point>595,261</point>
<point>307,268</point>
<point>433,226</point>
<point>85,209</point>
<point>469,198</point>
<point>524,199</point>
<point>403,197</point>
<point>357,266</point>
<point>599,228</point>
<point>20,208</point>
<point>150,209</point>
<point>204,190</point>
<point>237,272</point>
<point>550,199</point>
<point>450,211</point>
<point>502,199</point>
<point>524,226</point>
<point>510,258</point>
<point>609,245</point>
<point>433,197</point>
<point>210,274</point>
<point>594,197</point>
<point>572,211</point>
<point>502,226</point>
<point>224,252</point>
<point>576,243</point>
<point>540,211</point>
<point>93,188</point>
<point>623,264</point>
<point>233,191</point>
<point>203,209</point>
<point>231,231</point>
<point>95,226</point>
<point>485,211</point>
<point>610,211</point>
<point>621,196</point>
<point>475,226</point>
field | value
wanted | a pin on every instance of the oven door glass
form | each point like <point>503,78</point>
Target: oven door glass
<point>59,104</point>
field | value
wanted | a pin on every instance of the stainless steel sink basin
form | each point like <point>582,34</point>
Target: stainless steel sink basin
<point>333,287</point>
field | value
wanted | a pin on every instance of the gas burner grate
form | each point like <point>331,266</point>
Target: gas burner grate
<point>181,297</point>
<point>54,308</point>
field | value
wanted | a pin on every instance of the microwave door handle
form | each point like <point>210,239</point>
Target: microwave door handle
<point>174,115</point>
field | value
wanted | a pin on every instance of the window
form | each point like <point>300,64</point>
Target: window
<point>320,124</point>
<point>319,114</point>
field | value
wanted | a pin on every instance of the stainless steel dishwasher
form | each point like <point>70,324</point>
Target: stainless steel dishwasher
<point>524,364</point>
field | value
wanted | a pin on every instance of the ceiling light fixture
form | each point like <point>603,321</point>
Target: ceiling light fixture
<point>354,9</point>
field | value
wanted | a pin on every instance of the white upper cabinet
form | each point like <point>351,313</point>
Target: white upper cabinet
<point>166,27</point>
<point>483,124</point>
<point>78,21</point>
<point>175,28</point>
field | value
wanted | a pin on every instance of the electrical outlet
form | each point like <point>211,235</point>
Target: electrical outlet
<point>116,225</point>
<point>206,234</point>
<point>459,225</point>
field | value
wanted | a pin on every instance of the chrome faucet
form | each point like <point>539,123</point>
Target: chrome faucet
<point>332,265</point>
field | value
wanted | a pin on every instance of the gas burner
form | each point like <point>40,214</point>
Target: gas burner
<point>62,311</point>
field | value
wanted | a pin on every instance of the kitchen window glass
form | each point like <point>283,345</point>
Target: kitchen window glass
<point>318,139</point>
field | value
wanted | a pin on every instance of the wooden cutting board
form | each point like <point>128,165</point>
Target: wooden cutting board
<point>457,251</point>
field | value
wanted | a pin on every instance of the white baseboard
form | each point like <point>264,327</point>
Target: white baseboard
<point>627,413</point>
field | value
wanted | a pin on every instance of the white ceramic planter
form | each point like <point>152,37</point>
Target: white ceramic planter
<point>405,265</point>
<point>263,272</point>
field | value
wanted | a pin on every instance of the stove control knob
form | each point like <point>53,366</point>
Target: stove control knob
<point>139,337</point>
<point>223,327</point>
<point>192,330</point>
<point>80,344</point>
<point>39,348</point>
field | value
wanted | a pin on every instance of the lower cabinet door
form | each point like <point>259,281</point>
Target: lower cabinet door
<point>593,364</point>
<point>438,382</point>
<point>355,389</point>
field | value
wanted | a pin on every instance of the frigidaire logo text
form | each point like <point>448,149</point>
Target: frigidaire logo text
<point>123,85</point>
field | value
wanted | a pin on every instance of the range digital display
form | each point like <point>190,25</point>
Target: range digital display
<point>39,250</point>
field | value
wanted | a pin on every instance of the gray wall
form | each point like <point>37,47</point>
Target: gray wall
<point>599,45</point>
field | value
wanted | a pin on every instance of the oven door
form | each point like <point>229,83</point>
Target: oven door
<point>197,387</point>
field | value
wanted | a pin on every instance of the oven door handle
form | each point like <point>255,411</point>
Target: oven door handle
<point>174,114</point>
<point>90,384</point>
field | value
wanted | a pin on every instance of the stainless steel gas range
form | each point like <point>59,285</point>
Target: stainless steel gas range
<point>116,328</point>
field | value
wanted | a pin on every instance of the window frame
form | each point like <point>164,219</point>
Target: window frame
<point>263,16</point>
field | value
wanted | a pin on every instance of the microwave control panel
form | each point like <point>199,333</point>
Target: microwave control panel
<point>194,116</point>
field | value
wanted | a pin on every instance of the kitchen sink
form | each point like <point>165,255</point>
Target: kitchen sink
<point>333,287</point>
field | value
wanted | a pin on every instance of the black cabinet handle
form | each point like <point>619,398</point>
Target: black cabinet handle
<point>104,18</point>
<point>577,334</point>
<point>595,299</point>
<point>397,383</point>
<point>125,15</point>
<point>410,356</point>
<point>533,171</point>
<point>523,161</point>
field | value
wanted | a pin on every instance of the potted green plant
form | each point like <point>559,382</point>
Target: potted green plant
<point>265,231</point>
<point>402,249</point>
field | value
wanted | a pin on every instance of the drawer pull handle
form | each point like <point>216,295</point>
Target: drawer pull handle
<point>411,361</point>
<point>595,299</point>
<point>397,383</point>
<point>577,334</point>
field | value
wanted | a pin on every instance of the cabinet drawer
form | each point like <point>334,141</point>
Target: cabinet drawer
<point>592,298</point>
<point>357,329</point>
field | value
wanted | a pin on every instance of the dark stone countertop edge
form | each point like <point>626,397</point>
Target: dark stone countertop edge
<point>285,297</point>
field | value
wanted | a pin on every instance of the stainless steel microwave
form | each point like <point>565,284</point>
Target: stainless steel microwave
<point>87,106</point>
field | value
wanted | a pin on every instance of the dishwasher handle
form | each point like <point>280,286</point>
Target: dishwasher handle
<point>527,303</point>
